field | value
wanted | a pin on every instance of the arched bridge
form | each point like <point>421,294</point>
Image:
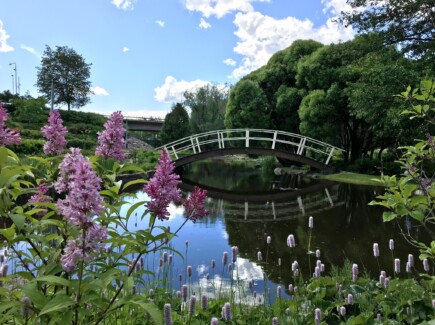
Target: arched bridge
<point>281,144</point>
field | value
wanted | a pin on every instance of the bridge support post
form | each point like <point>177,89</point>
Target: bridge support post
<point>301,146</point>
<point>329,197</point>
<point>193,145</point>
<point>273,210</point>
<point>330,156</point>
<point>275,134</point>
<point>246,210</point>
<point>197,142</point>
<point>247,139</point>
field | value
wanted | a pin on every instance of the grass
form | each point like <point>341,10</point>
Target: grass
<point>354,178</point>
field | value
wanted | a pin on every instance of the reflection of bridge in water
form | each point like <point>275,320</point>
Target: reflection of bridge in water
<point>282,205</point>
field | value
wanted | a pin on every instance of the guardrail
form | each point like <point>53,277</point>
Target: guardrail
<point>258,138</point>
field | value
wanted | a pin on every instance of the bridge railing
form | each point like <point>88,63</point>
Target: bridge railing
<point>258,138</point>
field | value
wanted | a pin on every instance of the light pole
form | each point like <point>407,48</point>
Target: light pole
<point>12,83</point>
<point>16,78</point>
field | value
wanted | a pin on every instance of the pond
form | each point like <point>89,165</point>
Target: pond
<point>247,205</point>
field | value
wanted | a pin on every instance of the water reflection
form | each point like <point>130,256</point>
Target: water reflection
<point>345,227</point>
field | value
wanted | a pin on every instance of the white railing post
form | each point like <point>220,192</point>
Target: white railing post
<point>175,152</point>
<point>193,144</point>
<point>222,139</point>
<point>273,210</point>
<point>247,138</point>
<point>197,142</point>
<point>329,197</point>
<point>219,139</point>
<point>330,156</point>
<point>301,146</point>
<point>275,134</point>
<point>246,210</point>
<point>301,205</point>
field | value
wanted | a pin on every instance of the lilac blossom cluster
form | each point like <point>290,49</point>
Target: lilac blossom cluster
<point>55,133</point>
<point>194,204</point>
<point>111,140</point>
<point>7,136</point>
<point>40,197</point>
<point>162,187</point>
<point>82,202</point>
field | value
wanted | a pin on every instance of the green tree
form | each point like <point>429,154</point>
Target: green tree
<point>207,107</point>
<point>67,73</point>
<point>247,107</point>
<point>176,124</point>
<point>408,23</point>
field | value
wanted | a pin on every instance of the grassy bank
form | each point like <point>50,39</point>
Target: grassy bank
<point>354,178</point>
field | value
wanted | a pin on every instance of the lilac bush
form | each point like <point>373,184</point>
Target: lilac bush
<point>111,142</point>
<point>7,136</point>
<point>55,134</point>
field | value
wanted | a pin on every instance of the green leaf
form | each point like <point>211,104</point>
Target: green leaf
<point>137,181</point>
<point>59,303</point>
<point>54,280</point>
<point>18,220</point>
<point>388,216</point>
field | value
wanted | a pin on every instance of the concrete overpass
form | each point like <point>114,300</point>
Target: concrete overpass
<point>147,124</point>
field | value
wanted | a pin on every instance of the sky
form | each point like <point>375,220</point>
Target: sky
<point>146,53</point>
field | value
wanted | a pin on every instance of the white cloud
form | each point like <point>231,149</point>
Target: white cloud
<point>124,4</point>
<point>204,24</point>
<point>125,49</point>
<point>31,50</point>
<point>230,62</point>
<point>173,90</point>
<point>219,8</point>
<point>99,91</point>
<point>3,38</point>
<point>261,36</point>
<point>161,23</point>
<point>336,6</point>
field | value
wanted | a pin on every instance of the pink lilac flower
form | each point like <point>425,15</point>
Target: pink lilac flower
<point>40,197</point>
<point>55,133</point>
<point>7,136</point>
<point>162,187</point>
<point>66,171</point>
<point>111,140</point>
<point>194,204</point>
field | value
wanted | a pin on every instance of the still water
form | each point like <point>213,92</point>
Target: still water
<point>247,205</point>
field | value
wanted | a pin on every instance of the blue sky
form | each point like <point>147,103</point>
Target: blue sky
<point>146,53</point>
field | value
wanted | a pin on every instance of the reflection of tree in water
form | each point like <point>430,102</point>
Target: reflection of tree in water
<point>346,230</point>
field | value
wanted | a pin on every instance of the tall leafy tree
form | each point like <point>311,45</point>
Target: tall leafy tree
<point>207,107</point>
<point>410,23</point>
<point>176,124</point>
<point>68,73</point>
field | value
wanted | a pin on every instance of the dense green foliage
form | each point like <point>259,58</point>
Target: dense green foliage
<point>207,108</point>
<point>410,24</point>
<point>176,124</point>
<point>341,93</point>
<point>67,73</point>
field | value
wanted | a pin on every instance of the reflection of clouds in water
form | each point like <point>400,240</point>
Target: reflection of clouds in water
<point>247,270</point>
<point>202,270</point>
<point>175,211</point>
<point>225,234</point>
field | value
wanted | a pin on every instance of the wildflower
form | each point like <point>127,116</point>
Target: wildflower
<point>204,302</point>
<point>354,272</point>
<point>387,283</point>
<point>391,244</point>
<point>426,265</point>
<point>111,140</point>
<point>408,267</point>
<point>411,260</point>
<point>250,283</point>
<point>7,136</point>
<point>213,263</point>
<point>184,291</point>
<point>279,292</point>
<point>350,299</point>
<point>230,267</point>
<point>322,267</point>
<point>291,241</point>
<point>268,240</point>
<point>279,261</point>
<point>171,257</point>
<point>433,303</point>
<point>259,256</point>
<point>55,133</point>
<point>311,222</point>
<point>225,258</point>
<point>194,204</point>
<point>162,188</point>
<point>343,311</point>
<point>189,271</point>
<point>290,288</point>
<point>178,294</point>
<point>151,292</point>
<point>214,321</point>
<point>227,312</point>
<point>317,316</point>
<point>187,244</point>
<point>192,305</point>
<point>234,250</point>
<point>316,273</point>
<point>318,263</point>
<point>318,253</point>
<point>375,250</point>
<point>160,262</point>
<point>180,277</point>
<point>167,314</point>
<point>378,317</point>
<point>382,280</point>
<point>25,308</point>
<point>275,321</point>
<point>396,265</point>
<point>165,257</point>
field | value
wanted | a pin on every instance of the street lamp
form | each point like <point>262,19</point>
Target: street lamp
<point>12,83</point>
<point>16,78</point>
